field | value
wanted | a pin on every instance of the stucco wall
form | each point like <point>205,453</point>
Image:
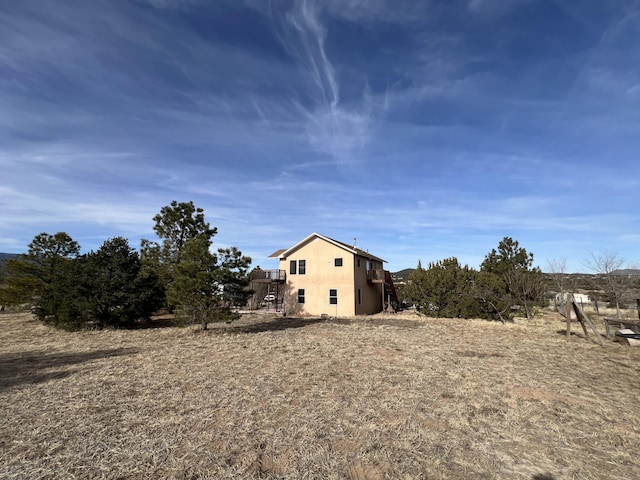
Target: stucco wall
<point>371,292</point>
<point>322,275</point>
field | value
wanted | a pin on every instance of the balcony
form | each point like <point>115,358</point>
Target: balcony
<point>268,276</point>
<point>375,276</point>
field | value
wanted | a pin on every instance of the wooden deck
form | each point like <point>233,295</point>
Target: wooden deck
<point>269,276</point>
<point>620,324</point>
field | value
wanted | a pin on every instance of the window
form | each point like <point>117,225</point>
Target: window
<point>359,296</point>
<point>302,267</point>
<point>337,262</point>
<point>301,295</point>
<point>292,267</point>
<point>333,297</point>
<point>358,263</point>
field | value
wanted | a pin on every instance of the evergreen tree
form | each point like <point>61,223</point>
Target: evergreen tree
<point>447,289</point>
<point>207,286</point>
<point>42,276</point>
<point>102,288</point>
<point>113,289</point>
<point>176,224</point>
<point>490,291</point>
<point>443,289</point>
<point>416,291</point>
<point>200,286</point>
<point>523,283</point>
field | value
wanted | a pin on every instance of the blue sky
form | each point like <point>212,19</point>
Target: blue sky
<point>423,129</point>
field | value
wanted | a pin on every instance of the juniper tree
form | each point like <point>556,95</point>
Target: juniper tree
<point>448,290</point>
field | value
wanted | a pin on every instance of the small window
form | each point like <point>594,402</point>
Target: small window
<point>359,296</point>
<point>292,267</point>
<point>333,297</point>
<point>337,262</point>
<point>302,267</point>
<point>301,295</point>
<point>358,263</point>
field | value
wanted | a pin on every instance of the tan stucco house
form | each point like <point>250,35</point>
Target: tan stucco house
<point>325,276</point>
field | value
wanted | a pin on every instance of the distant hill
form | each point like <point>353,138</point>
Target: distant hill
<point>627,271</point>
<point>6,256</point>
<point>402,275</point>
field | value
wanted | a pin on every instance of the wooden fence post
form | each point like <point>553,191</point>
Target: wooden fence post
<point>583,319</point>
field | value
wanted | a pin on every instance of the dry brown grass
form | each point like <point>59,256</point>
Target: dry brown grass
<point>381,397</point>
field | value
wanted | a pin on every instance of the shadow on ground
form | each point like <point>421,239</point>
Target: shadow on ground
<point>37,367</point>
<point>378,321</point>
<point>274,324</point>
<point>268,325</point>
<point>155,322</point>
<point>571,333</point>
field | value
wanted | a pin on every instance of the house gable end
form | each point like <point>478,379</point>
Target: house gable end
<point>283,254</point>
<point>309,239</point>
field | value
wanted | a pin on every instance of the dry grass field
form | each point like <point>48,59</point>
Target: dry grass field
<point>381,397</point>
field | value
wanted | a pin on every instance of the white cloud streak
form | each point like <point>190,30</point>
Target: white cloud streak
<point>333,127</point>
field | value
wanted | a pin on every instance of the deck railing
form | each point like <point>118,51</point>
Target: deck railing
<point>375,275</point>
<point>269,275</point>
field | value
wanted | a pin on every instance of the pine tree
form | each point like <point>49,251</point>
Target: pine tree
<point>523,283</point>
<point>41,278</point>
<point>207,286</point>
<point>175,225</point>
<point>201,286</point>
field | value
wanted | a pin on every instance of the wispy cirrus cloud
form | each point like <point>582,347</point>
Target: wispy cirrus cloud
<point>338,127</point>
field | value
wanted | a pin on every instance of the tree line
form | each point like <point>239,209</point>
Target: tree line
<point>506,284</point>
<point>115,286</point>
